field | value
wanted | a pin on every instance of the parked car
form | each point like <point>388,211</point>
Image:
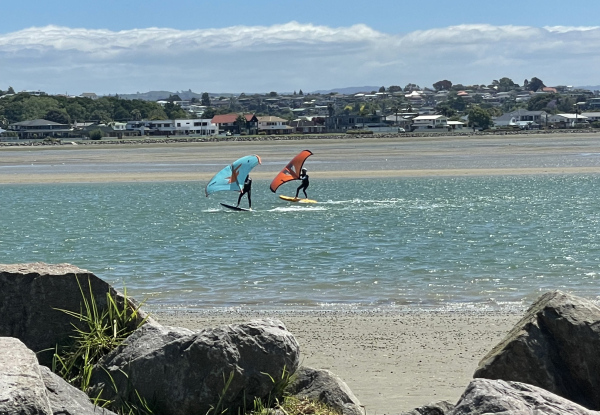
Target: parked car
<point>401,130</point>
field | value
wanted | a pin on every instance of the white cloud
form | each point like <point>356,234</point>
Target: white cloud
<point>291,56</point>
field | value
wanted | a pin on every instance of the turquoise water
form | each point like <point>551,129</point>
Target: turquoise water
<point>385,243</point>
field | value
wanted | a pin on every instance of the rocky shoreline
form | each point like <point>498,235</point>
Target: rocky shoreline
<point>547,363</point>
<point>216,139</point>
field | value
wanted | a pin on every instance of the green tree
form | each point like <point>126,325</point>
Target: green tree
<point>205,99</point>
<point>300,93</point>
<point>540,102</point>
<point>382,89</point>
<point>535,84</point>
<point>136,114</point>
<point>479,117</point>
<point>10,90</point>
<point>210,112</point>
<point>394,88</point>
<point>96,134</point>
<point>59,116</point>
<point>174,111</point>
<point>272,94</point>
<point>444,85</point>
<point>241,123</point>
<point>506,84</point>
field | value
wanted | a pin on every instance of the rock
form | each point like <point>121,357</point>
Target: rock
<point>66,399</point>
<point>554,346</point>
<point>30,295</point>
<point>485,396</point>
<point>323,386</point>
<point>434,408</point>
<point>182,372</point>
<point>22,390</point>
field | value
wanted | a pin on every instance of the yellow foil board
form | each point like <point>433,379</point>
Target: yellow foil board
<point>296,200</point>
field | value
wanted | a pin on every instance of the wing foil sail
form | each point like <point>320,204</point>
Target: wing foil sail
<point>232,177</point>
<point>291,171</point>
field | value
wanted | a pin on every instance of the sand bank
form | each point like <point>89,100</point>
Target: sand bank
<point>393,362</point>
<point>356,158</point>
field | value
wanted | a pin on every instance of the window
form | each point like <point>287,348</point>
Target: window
<point>179,124</point>
<point>197,124</point>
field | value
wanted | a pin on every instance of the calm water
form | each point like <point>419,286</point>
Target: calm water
<point>417,242</point>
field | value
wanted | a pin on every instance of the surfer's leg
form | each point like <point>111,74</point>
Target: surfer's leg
<point>240,199</point>
<point>249,199</point>
<point>298,190</point>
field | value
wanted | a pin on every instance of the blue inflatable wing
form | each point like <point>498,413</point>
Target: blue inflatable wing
<point>233,176</point>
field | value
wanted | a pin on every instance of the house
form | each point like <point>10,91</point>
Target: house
<point>591,116</point>
<point>89,95</point>
<point>428,122</point>
<point>228,123</point>
<point>112,129</point>
<point>593,103</point>
<point>342,123</point>
<point>567,120</point>
<point>40,128</point>
<point>273,125</point>
<point>521,117</point>
<point>307,127</point>
<point>198,126</point>
<point>456,125</point>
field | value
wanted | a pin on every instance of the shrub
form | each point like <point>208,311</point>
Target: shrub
<point>96,135</point>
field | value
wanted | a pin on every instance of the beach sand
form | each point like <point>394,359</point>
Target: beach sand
<point>393,362</point>
<point>333,158</point>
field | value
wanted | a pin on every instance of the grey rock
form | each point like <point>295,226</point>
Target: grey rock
<point>66,399</point>
<point>30,295</point>
<point>323,386</point>
<point>485,396</point>
<point>554,346</point>
<point>181,372</point>
<point>22,390</point>
<point>434,408</point>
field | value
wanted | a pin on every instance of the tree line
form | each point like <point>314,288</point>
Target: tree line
<point>64,110</point>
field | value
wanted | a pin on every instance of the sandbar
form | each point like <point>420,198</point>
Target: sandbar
<point>332,159</point>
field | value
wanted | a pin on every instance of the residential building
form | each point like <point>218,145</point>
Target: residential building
<point>428,122</point>
<point>567,120</point>
<point>89,95</point>
<point>112,129</point>
<point>198,126</point>
<point>228,123</point>
<point>521,117</point>
<point>40,128</point>
<point>273,125</point>
<point>307,127</point>
<point>342,123</point>
<point>591,116</point>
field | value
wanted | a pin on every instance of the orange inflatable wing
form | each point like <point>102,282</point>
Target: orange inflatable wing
<point>291,171</point>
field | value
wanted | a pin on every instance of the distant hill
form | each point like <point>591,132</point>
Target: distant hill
<point>350,90</point>
<point>591,88</point>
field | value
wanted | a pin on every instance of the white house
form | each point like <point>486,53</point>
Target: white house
<point>591,116</point>
<point>567,120</point>
<point>273,125</point>
<point>196,126</point>
<point>427,122</point>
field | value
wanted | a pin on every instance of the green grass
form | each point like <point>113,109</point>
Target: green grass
<point>98,333</point>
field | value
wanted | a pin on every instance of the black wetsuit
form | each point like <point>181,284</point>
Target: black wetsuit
<point>247,190</point>
<point>304,185</point>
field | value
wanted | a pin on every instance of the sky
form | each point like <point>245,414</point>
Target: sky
<point>234,46</point>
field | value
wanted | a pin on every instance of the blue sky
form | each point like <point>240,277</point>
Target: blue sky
<point>254,46</point>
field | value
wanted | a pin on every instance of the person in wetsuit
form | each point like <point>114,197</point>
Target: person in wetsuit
<point>247,190</point>
<point>305,183</point>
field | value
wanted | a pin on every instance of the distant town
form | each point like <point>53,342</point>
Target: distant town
<point>444,107</point>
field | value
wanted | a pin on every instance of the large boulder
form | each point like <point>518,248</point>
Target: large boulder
<point>434,408</point>
<point>30,295</point>
<point>485,396</point>
<point>181,372</point>
<point>66,399</point>
<point>555,346</point>
<point>323,386</point>
<point>22,390</point>
<point>27,388</point>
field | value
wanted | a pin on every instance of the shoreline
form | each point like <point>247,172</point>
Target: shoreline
<point>392,361</point>
<point>370,157</point>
